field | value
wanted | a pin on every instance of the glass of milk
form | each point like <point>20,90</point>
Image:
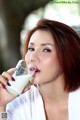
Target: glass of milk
<point>22,77</point>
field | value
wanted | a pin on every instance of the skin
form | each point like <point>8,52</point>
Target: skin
<point>42,52</point>
<point>6,75</point>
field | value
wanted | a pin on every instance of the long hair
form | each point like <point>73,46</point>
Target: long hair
<point>67,44</point>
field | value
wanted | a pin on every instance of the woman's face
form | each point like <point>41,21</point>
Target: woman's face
<point>42,52</point>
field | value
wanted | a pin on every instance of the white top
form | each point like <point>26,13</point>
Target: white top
<point>29,106</point>
<point>74,105</point>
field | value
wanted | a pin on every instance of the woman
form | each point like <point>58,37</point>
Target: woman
<point>55,92</point>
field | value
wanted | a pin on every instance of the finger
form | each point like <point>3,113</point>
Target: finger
<point>11,71</point>
<point>2,86</point>
<point>3,80</point>
<point>6,75</point>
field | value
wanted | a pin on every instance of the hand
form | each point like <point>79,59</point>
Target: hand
<point>6,97</point>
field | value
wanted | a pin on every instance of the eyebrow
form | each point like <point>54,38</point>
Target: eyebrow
<point>43,44</point>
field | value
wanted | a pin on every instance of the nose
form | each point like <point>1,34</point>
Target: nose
<point>34,57</point>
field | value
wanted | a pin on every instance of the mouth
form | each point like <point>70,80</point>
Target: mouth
<point>35,70</point>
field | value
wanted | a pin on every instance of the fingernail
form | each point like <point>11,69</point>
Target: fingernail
<point>3,86</point>
<point>8,84</point>
<point>12,79</point>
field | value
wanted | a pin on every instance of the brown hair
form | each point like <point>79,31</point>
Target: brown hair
<point>67,44</point>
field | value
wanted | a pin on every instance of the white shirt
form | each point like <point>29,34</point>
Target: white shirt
<point>29,106</point>
<point>74,105</point>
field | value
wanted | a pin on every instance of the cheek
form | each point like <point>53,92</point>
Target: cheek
<point>51,69</point>
<point>51,65</point>
<point>50,61</point>
<point>27,57</point>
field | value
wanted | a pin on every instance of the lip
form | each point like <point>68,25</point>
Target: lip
<point>35,70</point>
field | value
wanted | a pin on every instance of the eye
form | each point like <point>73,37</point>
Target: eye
<point>30,49</point>
<point>46,50</point>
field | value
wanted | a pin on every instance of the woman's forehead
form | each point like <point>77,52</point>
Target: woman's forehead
<point>41,36</point>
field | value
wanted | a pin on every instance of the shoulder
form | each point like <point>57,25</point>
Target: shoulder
<point>74,96</point>
<point>74,105</point>
<point>75,93</point>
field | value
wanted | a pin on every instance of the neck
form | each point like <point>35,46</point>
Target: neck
<point>53,92</point>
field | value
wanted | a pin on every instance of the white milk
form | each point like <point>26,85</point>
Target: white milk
<point>19,84</point>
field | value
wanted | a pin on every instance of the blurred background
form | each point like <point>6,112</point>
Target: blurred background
<point>17,17</point>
